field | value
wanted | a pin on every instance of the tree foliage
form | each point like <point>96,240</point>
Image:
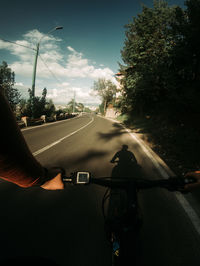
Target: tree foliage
<point>33,107</point>
<point>7,81</point>
<point>76,107</point>
<point>186,55</point>
<point>106,89</point>
<point>36,106</point>
<point>162,59</point>
<point>72,106</point>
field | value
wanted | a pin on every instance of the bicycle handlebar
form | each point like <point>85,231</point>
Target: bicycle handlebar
<point>172,183</point>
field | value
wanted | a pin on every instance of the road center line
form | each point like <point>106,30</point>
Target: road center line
<point>58,141</point>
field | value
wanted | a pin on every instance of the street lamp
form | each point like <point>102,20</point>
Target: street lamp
<point>36,57</point>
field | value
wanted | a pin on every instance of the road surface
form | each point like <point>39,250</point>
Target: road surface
<point>67,226</point>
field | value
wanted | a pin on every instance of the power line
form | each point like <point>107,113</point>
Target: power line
<point>39,56</point>
<point>50,70</point>
<point>18,44</point>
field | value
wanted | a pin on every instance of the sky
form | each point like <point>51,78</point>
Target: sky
<point>70,60</point>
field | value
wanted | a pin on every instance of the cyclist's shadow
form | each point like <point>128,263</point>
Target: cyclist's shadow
<point>126,164</point>
<point>118,216</point>
<point>126,167</point>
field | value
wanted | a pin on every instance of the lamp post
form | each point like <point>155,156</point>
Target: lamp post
<point>36,57</point>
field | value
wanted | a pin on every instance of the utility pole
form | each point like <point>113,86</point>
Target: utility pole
<point>73,110</point>
<point>35,67</point>
<point>36,57</point>
<point>34,70</point>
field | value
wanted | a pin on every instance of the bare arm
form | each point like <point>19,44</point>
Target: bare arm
<point>17,164</point>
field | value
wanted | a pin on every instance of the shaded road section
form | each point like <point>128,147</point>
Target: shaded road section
<point>67,226</point>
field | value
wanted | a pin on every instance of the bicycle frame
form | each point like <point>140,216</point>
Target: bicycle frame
<point>123,226</point>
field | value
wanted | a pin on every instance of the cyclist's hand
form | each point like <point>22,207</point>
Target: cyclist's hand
<point>196,175</point>
<point>54,184</point>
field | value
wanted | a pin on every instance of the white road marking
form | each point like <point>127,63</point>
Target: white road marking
<point>194,218</point>
<point>165,172</point>
<point>58,141</point>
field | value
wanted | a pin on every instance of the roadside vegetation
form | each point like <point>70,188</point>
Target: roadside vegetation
<point>107,90</point>
<point>159,93</point>
<point>160,81</point>
<point>34,106</point>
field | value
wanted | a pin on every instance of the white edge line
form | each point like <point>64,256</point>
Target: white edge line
<point>58,141</point>
<point>165,172</point>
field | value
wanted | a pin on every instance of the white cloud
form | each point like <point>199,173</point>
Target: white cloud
<point>64,65</point>
<point>22,68</point>
<point>34,36</point>
<point>75,64</point>
<point>64,92</point>
<point>70,49</point>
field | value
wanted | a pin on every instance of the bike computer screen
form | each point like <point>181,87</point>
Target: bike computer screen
<point>83,177</point>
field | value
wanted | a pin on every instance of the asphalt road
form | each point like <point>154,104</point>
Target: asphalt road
<point>67,226</point>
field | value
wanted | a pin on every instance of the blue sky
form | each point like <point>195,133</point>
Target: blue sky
<point>87,48</point>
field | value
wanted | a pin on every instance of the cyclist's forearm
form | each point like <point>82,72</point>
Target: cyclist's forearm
<point>17,163</point>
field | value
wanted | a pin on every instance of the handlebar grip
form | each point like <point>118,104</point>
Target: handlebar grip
<point>190,180</point>
<point>179,183</point>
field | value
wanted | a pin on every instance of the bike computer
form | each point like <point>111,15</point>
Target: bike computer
<point>82,177</point>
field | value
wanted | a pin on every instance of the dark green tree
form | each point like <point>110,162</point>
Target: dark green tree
<point>7,81</point>
<point>146,54</point>
<point>37,106</point>
<point>49,108</point>
<point>186,56</point>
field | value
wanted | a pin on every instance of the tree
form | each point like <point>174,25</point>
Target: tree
<point>87,110</point>
<point>23,107</point>
<point>162,60</point>
<point>146,53</point>
<point>37,106</point>
<point>106,89</point>
<point>80,107</point>
<point>7,81</point>
<point>186,56</point>
<point>72,106</point>
<point>49,108</point>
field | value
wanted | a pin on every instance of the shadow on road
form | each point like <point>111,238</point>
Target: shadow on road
<point>91,154</point>
<point>117,131</point>
<point>127,165</point>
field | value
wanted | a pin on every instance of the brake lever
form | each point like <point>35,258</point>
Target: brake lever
<point>190,180</point>
<point>179,183</point>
